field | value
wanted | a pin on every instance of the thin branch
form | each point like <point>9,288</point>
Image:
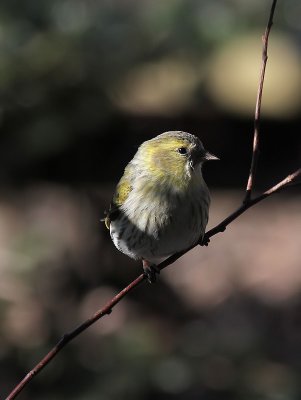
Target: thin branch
<point>107,309</point>
<point>286,182</point>
<point>255,154</point>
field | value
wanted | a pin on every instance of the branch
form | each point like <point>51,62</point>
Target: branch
<point>107,309</point>
<point>255,154</point>
<point>247,203</point>
<point>221,227</point>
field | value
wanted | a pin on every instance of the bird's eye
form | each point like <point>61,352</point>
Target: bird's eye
<point>182,150</point>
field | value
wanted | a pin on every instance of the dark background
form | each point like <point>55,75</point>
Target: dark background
<point>82,84</point>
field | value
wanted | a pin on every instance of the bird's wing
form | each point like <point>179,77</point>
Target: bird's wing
<point>122,192</point>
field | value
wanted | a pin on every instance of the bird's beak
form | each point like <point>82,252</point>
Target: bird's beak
<point>201,157</point>
<point>209,156</point>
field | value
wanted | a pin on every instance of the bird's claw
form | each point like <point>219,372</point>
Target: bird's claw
<point>151,271</point>
<point>205,241</point>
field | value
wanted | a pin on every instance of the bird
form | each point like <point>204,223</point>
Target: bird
<point>161,203</point>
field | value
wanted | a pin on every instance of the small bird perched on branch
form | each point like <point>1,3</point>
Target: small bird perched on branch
<point>161,203</point>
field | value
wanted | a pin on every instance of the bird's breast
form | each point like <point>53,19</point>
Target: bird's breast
<point>155,207</point>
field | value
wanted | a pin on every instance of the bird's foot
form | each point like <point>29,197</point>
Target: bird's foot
<point>205,241</point>
<point>150,271</point>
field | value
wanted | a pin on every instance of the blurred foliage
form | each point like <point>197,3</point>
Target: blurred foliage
<point>82,83</point>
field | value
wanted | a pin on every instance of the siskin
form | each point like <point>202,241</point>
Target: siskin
<point>161,203</point>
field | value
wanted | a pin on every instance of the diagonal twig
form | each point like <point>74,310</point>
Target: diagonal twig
<point>107,309</point>
<point>286,182</point>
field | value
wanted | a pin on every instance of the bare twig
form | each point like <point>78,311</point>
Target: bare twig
<point>255,154</point>
<point>107,309</point>
<point>274,189</point>
<point>248,202</point>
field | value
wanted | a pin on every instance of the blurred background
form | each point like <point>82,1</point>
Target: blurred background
<point>82,84</point>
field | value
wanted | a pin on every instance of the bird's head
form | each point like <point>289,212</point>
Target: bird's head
<point>174,154</point>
